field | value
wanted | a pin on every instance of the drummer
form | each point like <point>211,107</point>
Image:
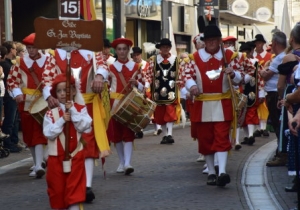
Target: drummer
<point>123,72</point>
<point>28,74</point>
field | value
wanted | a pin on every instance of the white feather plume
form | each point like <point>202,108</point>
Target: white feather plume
<point>149,47</point>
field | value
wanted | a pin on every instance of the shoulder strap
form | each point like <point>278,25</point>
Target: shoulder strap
<point>34,76</point>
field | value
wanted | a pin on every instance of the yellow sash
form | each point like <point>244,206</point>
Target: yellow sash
<point>114,95</point>
<point>29,91</point>
<point>217,97</point>
<point>99,124</point>
<point>178,109</point>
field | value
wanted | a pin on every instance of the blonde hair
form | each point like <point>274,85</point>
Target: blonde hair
<point>20,47</point>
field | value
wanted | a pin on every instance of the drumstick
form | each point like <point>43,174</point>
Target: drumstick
<point>38,87</point>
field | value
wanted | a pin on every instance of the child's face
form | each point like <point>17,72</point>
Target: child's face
<point>61,92</point>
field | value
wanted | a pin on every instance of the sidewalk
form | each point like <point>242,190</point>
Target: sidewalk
<point>165,177</point>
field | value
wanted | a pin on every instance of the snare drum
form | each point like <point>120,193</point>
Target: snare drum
<point>38,109</point>
<point>134,111</point>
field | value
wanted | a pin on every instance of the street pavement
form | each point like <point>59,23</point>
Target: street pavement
<point>165,177</point>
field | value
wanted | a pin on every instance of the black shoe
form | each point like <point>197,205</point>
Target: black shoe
<point>164,140</point>
<point>89,195</point>
<point>170,139</point>
<point>237,147</point>
<point>139,135</point>
<point>291,189</point>
<point>251,140</point>
<point>211,179</point>
<point>159,131</point>
<point>265,133</point>
<point>223,179</point>
<point>257,133</point>
<point>246,140</point>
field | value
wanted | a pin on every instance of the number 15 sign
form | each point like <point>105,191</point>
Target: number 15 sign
<point>69,9</point>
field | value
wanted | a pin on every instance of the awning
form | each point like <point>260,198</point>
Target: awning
<point>229,17</point>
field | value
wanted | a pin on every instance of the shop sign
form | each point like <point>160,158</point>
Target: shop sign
<point>68,34</point>
<point>148,9</point>
<point>204,3</point>
<point>240,7</point>
<point>69,9</point>
<point>263,14</point>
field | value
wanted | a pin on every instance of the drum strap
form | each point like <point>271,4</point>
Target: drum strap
<point>35,79</point>
<point>123,81</point>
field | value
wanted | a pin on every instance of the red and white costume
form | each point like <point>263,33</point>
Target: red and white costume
<point>210,114</point>
<point>66,189</point>
<point>117,131</point>
<point>20,81</point>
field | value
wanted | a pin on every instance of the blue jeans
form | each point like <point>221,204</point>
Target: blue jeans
<point>10,124</point>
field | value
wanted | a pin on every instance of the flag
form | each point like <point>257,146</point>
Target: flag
<point>285,20</point>
<point>87,9</point>
<point>172,39</point>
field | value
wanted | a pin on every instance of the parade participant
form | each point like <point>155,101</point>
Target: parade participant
<point>25,83</point>
<point>122,73</point>
<point>91,70</point>
<point>262,56</point>
<point>136,56</point>
<point>161,78</point>
<point>212,110</point>
<point>66,190</point>
<point>107,56</point>
<point>271,75</point>
<point>253,89</point>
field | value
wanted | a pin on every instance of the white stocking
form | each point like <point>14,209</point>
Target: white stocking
<point>74,207</point>
<point>237,139</point>
<point>216,161</point>
<point>32,150</point>
<point>39,155</point>
<point>222,158</point>
<point>127,153</point>
<point>210,164</point>
<point>251,130</point>
<point>169,126</point>
<point>89,170</point>
<point>120,151</point>
<point>158,126</point>
<point>263,124</point>
<point>245,130</point>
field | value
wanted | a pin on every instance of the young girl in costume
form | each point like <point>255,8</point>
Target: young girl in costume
<point>66,189</point>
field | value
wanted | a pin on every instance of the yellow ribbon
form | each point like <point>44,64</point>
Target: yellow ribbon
<point>218,97</point>
<point>99,123</point>
<point>178,109</point>
<point>106,104</point>
<point>29,91</point>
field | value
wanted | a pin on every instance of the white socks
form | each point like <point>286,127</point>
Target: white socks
<point>158,126</point>
<point>32,150</point>
<point>39,155</point>
<point>120,150</point>
<point>74,207</point>
<point>222,158</point>
<point>237,138</point>
<point>210,164</point>
<point>250,130</point>
<point>263,124</point>
<point>89,169</point>
<point>169,126</point>
<point>127,153</point>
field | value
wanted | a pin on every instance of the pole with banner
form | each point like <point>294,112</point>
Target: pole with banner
<point>68,33</point>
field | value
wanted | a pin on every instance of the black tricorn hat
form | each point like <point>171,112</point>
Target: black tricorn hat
<point>245,47</point>
<point>106,43</point>
<point>251,44</point>
<point>259,37</point>
<point>211,31</point>
<point>163,41</point>
<point>137,50</point>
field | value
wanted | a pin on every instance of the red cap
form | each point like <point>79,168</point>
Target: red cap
<point>58,79</point>
<point>29,40</point>
<point>115,43</point>
<point>229,38</point>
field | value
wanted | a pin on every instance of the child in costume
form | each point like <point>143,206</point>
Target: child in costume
<point>66,190</point>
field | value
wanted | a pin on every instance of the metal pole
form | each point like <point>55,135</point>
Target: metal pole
<point>104,17</point>
<point>8,24</point>
<point>166,12</point>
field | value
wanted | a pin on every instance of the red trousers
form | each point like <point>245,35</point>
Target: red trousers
<point>118,132</point>
<point>213,137</point>
<point>165,113</point>
<point>65,189</point>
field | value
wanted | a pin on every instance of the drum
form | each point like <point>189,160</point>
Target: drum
<point>38,109</point>
<point>241,101</point>
<point>134,111</point>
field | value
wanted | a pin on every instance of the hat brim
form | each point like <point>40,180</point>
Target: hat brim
<point>157,46</point>
<point>118,41</point>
